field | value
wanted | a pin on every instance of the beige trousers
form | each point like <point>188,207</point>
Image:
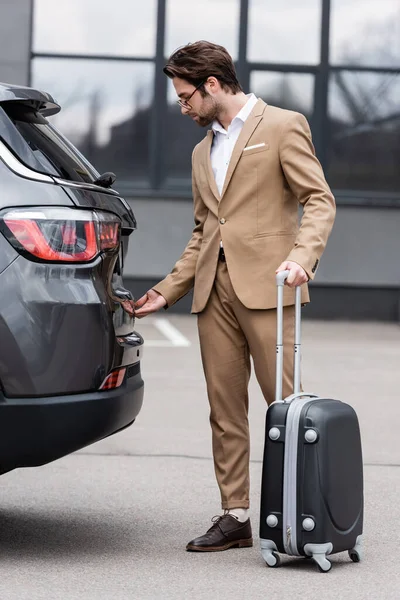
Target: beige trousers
<point>229,333</point>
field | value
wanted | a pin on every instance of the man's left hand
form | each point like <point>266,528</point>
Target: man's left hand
<point>297,275</point>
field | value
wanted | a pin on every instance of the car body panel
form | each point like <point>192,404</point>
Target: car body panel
<point>64,326</point>
<point>101,200</point>
<point>58,312</point>
<point>43,101</point>
<point>20,191</point>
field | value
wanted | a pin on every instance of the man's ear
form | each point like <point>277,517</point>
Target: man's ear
<point>213,84</point>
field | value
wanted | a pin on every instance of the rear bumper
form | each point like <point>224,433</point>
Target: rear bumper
<point>35,431</point>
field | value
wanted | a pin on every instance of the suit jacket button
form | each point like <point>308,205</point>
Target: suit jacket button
<point>222,221</point>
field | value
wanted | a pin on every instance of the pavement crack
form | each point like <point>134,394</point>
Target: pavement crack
<point>141,455</point>
<point>192,457</point>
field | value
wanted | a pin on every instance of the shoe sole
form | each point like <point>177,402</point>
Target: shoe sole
<point>236,544</point>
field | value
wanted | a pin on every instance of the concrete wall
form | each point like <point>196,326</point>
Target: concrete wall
<point>15,31</point>
<point>164,228</point>
<point>363,250</point>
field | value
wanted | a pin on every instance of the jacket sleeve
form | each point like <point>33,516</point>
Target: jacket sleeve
<point>306,179</point>
<point>181,279</point>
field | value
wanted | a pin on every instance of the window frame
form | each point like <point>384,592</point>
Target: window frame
<point>321,73</point>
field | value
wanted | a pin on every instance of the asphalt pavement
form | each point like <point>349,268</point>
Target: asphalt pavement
<point>111,522</point>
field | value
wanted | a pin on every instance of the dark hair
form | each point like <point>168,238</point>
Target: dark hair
<point>200,60</point>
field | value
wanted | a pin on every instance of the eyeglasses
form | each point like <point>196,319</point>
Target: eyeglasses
<point>185,103</point>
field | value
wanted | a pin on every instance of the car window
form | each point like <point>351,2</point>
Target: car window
<point>41,147</point>
<point>14,140</point>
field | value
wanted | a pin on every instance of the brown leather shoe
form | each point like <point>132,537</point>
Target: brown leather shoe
<point>227,532</point>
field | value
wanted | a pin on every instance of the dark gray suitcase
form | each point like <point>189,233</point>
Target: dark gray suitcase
<point>312,481</point>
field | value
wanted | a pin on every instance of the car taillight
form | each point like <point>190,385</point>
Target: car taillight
<point>60,234</point>
<point>109,235</point>
<point>114,379</point>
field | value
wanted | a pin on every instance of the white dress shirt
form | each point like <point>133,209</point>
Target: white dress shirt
<point>225,140</point>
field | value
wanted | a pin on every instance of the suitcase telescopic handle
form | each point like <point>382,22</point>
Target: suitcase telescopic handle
<point>280,282</point>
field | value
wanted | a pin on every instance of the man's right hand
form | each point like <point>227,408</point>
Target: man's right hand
<point>151,302</point>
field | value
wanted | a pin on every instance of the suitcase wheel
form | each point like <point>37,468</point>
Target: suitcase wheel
<point>269,553</point>
<point>354,555</point>
<point>318,553</point>
<point>274,560</point>
<point>324,566</point>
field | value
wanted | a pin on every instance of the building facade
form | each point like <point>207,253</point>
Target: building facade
<point>336,61</point>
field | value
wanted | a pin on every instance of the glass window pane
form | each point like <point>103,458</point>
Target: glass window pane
<point>45,149</point>
<point>365,33</point>
<point>284,32</point>
<point>293,91</point>
<point>181,136</point>
<point>212,20</point>
<point>106,110</point>
<point>123,27</point>
<point>364,131</point>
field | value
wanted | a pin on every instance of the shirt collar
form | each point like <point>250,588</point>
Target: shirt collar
<point>242,115</point>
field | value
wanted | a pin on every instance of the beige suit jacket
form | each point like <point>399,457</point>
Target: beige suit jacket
<point>273,168</point>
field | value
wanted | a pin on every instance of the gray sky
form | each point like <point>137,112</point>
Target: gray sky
<point>284,31</point>
<point>123,89</point>
<point>213,20</point>
<point>358,27</point>
<point>122,27</point>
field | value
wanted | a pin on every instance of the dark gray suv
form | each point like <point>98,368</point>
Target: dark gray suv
<point>69,355</point>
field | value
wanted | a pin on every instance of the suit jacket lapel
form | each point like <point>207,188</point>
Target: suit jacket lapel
<point>248,129</point>
<point>209,171</point>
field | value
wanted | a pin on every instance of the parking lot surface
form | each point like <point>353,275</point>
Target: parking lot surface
<point>112,521</point>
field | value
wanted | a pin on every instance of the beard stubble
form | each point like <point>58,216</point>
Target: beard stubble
<point>208,114</point>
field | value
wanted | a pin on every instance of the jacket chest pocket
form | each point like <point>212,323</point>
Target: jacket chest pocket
<point>254,149</point>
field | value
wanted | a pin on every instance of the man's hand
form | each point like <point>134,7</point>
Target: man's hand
<point>297,275</point>
<point>151,302</point>
<point>129,307</point>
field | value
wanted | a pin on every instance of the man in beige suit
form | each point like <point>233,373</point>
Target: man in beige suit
<point>249,174</point>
